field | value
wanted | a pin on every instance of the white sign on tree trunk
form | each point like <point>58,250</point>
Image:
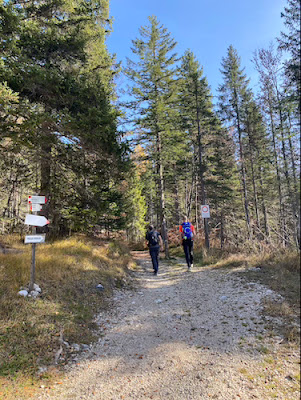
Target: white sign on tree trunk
<point>205,210</point>
<point>35,220</point>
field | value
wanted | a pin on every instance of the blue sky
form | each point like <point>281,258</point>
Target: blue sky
<point>207,27</point>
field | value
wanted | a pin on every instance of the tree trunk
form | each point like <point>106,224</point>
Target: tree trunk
<point>264,212</point>
<point>255,197</point>
<point>162,195</point>
<point>201,171</point>
<point>45,173</point>
<point>177,203</point>
<point>282,220</point>
<point>287,177</point>
<point>222,229</point>
<point>243,172</point>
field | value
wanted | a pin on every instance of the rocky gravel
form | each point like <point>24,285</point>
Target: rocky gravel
<point>184,336</point>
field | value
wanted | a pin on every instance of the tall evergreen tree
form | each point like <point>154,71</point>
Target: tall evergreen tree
<point>196,112</point>
<point>153,91</point>
<point>231,98</point>
<point>63,73</point>
<point>290,42</point>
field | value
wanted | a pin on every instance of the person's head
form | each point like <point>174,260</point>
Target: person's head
<point>150,227</point>
<point>185,218</point>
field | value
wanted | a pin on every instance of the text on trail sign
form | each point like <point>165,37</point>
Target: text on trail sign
<point>37,200</point>
<point>36,207</point>
<point>34,239</point>
<point>205,211</point>
<point>35,220</point>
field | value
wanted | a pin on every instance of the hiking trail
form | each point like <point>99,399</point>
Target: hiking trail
<point>183,336</point>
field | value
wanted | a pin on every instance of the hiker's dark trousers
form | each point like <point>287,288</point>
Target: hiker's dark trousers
<point>188,250</point>
<point>154,253</point>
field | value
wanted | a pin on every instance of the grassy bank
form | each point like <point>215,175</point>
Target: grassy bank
<point>67,272</point>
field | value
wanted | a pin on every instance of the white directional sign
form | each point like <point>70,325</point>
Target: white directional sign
<point>36,207</point>
<point>37,199</point>
<point>35,239</point>
<point>205,211</point>
<point>36,220</point>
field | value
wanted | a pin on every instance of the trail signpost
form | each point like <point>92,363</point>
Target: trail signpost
<point>35,239</point>
<point>36,207</point>
<point>34,221</point>
<point>205,210</point>
<point>37,200</point>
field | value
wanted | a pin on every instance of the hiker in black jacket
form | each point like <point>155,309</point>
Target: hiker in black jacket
<point>153,241</point>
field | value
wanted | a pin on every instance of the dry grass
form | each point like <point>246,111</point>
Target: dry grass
<point>68,272</point>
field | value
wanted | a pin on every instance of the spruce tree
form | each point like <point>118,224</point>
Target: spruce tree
<point>153,93</point>
<point>232,93</point>
<point>196,112</point>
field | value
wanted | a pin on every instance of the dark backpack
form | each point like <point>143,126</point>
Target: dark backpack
<point>187,230</point>
<point>153,238</point>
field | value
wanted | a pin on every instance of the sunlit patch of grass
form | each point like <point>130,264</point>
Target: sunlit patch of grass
<point>67,272</point>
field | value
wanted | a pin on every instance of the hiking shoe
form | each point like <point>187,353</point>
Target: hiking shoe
<point>155,272</point>
<point>191,266</point>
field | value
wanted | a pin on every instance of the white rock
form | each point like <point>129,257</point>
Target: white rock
<point>34,294</point>
<point>23,293</point>
<point>37,288</point>
<point>223,298</point>
<point>158,301</point>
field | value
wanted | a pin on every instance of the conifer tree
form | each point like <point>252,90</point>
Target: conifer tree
<point>62,72</point>
<point>196,112</point>
<point>290,42</point>
<point>274,101</point>
<point>232,93</point>
<point>153,93</point>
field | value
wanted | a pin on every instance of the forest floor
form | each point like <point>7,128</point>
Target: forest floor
<point>185,336</point>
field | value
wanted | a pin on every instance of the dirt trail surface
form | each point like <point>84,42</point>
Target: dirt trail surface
<point>183,336</point>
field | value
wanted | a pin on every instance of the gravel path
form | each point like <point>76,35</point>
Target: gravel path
<point>183,336</point>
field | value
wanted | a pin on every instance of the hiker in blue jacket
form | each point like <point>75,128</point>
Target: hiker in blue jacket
<point>154,240</point>
<point>187,232</point>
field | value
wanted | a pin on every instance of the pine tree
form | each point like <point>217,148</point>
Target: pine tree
<point>232,93</point>
<point>196,112</point>
<point>274,101</point>
<point>153,92</point>
<point>63,75</point>
<point>290,42</point>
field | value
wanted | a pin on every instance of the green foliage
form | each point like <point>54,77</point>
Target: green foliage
<point>58,76</point>
<point>135,207</point>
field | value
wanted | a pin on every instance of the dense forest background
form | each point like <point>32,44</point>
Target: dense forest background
<point>62,131</point>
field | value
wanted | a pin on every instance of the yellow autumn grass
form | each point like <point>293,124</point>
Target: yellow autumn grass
<point>67,272</point>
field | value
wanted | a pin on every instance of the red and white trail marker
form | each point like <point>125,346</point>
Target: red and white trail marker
<point>37,200</point>
<point>36,207</point>
<point>205,210</point>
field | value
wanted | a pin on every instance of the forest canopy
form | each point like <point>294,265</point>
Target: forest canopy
<point>61,136</point>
